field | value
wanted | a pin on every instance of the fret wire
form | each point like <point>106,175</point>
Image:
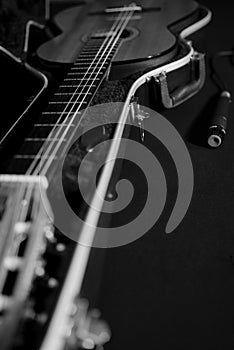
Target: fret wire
<point>37,139</point>
<point>85,59</point>
<point>87,64</point>
<point>32,156</point>
<point>53,112</point>
<point>66,102</point>
<point>68,86</point>
<point>52,124</point>
<point>70,93</point>
<point>79,68</point>
<point>82,79</point>
<point>78,79</point>
<point>87,55</point>
<point>76,69</point>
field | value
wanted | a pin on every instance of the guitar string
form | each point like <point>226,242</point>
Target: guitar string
<point>27,196</point>
<point>72,108</point>
<point>27,190</point>
<point>50,160</point>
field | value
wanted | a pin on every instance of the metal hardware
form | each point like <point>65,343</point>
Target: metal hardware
<point>86,330</point>
<point>139,115</point>
<point>170,100</point>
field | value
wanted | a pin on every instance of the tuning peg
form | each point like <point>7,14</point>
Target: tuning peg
<point>87,330</point>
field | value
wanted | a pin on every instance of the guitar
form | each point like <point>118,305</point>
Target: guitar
<point>42,271</point>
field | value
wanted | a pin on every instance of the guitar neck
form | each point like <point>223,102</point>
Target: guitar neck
<point>73,95</point>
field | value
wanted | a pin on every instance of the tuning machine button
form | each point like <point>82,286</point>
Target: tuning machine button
<point>49,233</point>
<point>87,330</point>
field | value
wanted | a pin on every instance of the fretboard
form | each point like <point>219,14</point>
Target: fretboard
<point>73,94</point>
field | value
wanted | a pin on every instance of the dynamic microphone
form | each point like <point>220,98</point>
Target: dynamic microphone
<point>218,123</point>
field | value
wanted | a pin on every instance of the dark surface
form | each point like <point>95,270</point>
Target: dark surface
<point>14,15</point>
<point>176,291</point>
